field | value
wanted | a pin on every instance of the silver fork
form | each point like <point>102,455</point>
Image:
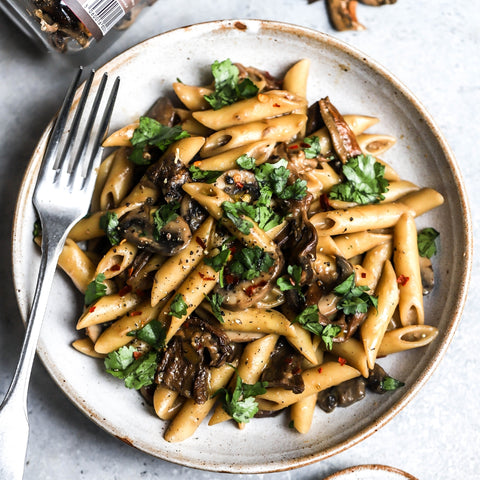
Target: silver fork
<point>61,197</point>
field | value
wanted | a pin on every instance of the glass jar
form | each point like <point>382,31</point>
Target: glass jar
<point>70,26</point>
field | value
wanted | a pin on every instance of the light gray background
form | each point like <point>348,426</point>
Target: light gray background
<point>433,48</point>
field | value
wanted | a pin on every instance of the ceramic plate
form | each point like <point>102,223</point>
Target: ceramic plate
<point>355,84</point>
<point>371,472</point>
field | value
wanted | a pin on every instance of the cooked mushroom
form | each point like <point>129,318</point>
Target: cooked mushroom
<point>284,368</point>
<point>343,15</point>
<point>185,362</point>
<point>241,185</point>
<point>262,79</point>
<point>343,139</point>
<point>138,227</point>
<point>426,272</point>
<point>342,395</point>
<point>162,111</point>
<point>192,212</point>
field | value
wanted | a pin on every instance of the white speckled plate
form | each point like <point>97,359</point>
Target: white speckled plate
<point>355,84</point>
<point>371,472</point>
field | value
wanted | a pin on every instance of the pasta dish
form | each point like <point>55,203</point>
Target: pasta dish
<point>248,253</point>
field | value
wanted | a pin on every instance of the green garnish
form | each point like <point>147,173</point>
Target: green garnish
<point>233,211</point>
<point>153,333</point>
<point>150,132</point>
<point>248,263</point>
<point>388,384</point>
<point>309,320</point>
<point>228,88</point>
<point>218,262</point>
<point>365,182</point>
<point>241,404</point>
<point>206,176</point>
<point>292,280</point>
<point>136,373</point>
<point>215,302</point>
<point>95,289</point>
<point>163,215</point>
<point>246,162</point>
<point>109,224</point>
<point>178,308</point>
<point>354,298</point>
<point>426,242</point>
<point>37,229</point>
<point>311,147</point>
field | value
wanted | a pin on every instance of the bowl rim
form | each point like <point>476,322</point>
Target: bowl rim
<point>264,26</point>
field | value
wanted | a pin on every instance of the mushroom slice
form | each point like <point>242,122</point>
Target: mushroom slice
<point>241,185</point>
<point>162,111</point>
<point>343,15</point>
<point>343,139</point>
<point>262,79</point>
<point>138,228</point>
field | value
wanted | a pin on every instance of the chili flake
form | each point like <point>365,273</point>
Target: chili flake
<point>403,280</point>
<point>342,361</point>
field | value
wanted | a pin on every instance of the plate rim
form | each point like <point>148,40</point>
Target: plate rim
<point>263,26</point>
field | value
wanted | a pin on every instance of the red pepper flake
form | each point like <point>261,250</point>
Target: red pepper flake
<point>293,147</point>
<point>137,355</point>
<point>204,277</point>
<point>289,360</point>
<point>277,105</point>
<point>92,308</point>
<point>403,280</point>
<point>135,313</point>
<point>200,242</point>
<point>297,371</point>
<point>126,289</point>
<point>325,202</point>
<point>320,370</point>
<point>341,361</point>
<point>197,163</point>
<point>130,271</point>
<point>115,268</point>
<point>363,275</point>
<point>251,289</point>
<point>230,279</point>
<point>239,185</point>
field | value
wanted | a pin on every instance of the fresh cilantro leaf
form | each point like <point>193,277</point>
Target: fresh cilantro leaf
<point>136,373</point>
<point>241,404</point>
<point>233,211</point>
<point>37,229</point>
<point>215,302</point>
<point>150,132</point>
<point>248,263</point>
<point>311,147</point>
<point>95,289</point>
<point>163,215</point>
<point>295,191</point>
<point>354,298</point>
<point>178,308</point>
<point>206,176</point>
<point>365,182</point>
<point>292,280</point>
<point>109,224</point>
<point>309,320</point>
<point>426,242</point>
<point>218,262</point>
<point>246,162</point>
<point>228,88</point>
<point>388,384</point>
<point>153,333</point>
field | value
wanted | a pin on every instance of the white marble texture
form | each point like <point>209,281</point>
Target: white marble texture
<point>432,47</point>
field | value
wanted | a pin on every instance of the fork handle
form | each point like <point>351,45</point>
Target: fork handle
<point>13,410</point>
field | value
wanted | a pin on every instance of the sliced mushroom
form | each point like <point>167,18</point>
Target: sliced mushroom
<point>262,79</point>
<point>343,139</point>
<point>342,395</point>
<point>138,228</point>
<point>427,274</point>
<point>192,212</point>
<point>343,15</point>
<point>162,111</point>
<point>241,185</point>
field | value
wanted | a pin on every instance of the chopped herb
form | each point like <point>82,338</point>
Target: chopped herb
<point>153,333</point>
<point>215,302</point>
<point>95,289</point>
<point>311,147</point>
<point>246,162</point>
<point>150,132</point>
<point>228,88</point>
<point>309,320</point>
<point>248,263</point>
<point>232,212</point>
<point>354,298</point>
<point>365,182</point>
<point>37,229</point>
<point>241,404</point>
<point>163,215</point>
<point>109,224</point>
<point>206,176</point>
<point>218,262</point>
<point>178,308</point>
<point>136,373</point>
<point>292,280</point>
<point>388,384</point>
<point>426,242</point>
